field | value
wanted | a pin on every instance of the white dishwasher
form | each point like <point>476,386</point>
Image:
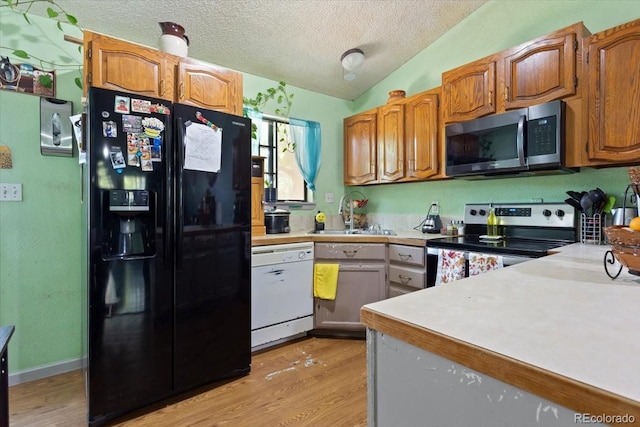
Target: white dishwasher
<point>281,292</point>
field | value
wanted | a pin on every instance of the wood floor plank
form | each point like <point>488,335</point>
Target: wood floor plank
<point>310,382</point>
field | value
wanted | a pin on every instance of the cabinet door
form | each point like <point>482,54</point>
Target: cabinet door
<point>391,142</point>
<point>119,65</point>
<point>358,284</point>
<point>208,86</point>
<point>421,122</point>
<point>541,71</point>
<point>469,91</point>
<point>614,94</point>
<point>257,210</point>
<point>360,149</point>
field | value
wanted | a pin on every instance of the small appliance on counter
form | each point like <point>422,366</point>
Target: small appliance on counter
<point>276,221</point>
<point>432,222</point>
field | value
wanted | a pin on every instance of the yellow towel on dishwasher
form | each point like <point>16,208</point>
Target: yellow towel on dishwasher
<point>325,280</point>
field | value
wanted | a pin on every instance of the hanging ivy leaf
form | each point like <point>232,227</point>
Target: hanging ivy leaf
<point>78,81</point>
<point>46,81</point>
<point>26,18</point>
<point>52,13</point>
<point>59,25</point>
<point>21,54</point>
<point>72,19</point>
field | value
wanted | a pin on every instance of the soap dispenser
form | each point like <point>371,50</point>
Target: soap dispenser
<point>319,221</point>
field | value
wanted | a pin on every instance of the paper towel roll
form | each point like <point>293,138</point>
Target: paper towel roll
<point>218,213</point>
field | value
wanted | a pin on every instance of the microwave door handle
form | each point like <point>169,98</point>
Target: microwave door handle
<point>520,140</point>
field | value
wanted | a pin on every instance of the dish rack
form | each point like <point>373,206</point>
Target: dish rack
<point>591,229</point>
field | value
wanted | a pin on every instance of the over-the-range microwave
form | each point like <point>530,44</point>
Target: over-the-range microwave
<point>527,140</point>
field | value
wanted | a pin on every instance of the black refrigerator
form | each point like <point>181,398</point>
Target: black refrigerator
<point>167,190</point>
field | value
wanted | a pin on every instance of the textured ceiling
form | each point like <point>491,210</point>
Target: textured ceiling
<point>296,41</point>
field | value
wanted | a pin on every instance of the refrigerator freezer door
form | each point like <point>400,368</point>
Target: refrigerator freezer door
<point>130,293</point>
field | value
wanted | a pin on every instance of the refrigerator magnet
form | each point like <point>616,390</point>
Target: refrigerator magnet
<point>140,106</point>
<point>122,104</point>
<point>109,129</point>
<point>160,109</point>
<point>117,159</point>
<point>131,123</point>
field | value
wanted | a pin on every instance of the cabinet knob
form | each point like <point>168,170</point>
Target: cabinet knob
<point>350,254</point>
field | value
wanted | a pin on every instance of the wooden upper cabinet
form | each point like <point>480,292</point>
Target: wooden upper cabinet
<point>209,86</point>
<point>614,94</point>
<point>120,65</point>
<point>541,71</point>
<point>421,135</point>
<point>391,142</point>
<point>360,148</point>
<point>123,66</point>
<point>469,91</point>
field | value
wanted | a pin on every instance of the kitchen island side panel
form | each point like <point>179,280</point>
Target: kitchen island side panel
<point>409,386</point>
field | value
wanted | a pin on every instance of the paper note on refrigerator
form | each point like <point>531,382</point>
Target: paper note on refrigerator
<point>203,148</point>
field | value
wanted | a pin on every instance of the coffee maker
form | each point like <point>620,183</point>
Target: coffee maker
<point>128,221</point>
<point>432,222</point>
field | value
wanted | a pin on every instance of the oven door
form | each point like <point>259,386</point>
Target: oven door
<point>432,262</point>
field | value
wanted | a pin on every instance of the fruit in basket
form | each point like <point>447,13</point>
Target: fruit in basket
<point>635,223</point>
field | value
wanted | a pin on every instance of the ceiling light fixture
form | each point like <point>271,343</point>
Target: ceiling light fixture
<point>351,61</point>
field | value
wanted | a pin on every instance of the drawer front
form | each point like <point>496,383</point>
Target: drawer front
<point>407,276</point>
<point>350,251</point>
<point>396,290</point>
<point>411,255</point>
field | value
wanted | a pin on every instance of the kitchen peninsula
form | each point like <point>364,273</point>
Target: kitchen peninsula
<point>552,341</point>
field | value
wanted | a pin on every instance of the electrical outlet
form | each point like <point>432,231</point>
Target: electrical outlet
<point>10,192</point>
<point>328,197</point>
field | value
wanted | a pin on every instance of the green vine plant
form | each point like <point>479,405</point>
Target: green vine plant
<point>283,100</point>
<point>55,12</point>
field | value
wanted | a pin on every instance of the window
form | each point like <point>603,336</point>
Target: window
<point>280,168</point>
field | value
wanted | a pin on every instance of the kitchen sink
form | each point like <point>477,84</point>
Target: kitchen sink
<point>354,232</point>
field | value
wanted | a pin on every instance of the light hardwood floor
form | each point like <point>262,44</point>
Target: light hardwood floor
<point>309,382</point>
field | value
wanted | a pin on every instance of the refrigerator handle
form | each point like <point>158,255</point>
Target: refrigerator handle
<point>169,218</point>
<point>179,202</point>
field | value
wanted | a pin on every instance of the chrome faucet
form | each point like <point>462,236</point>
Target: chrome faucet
<point>347,198</point>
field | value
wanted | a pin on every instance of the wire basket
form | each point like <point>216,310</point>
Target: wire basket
<point>625,246</point>
<point>591,229</point>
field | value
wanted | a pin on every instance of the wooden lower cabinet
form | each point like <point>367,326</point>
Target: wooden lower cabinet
<point>407,269</point>
<point>362,280</point>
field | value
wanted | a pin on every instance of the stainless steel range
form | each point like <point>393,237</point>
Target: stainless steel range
<point>527,230</point>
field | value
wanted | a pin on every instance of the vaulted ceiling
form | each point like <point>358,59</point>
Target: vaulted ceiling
<point>296,41</point>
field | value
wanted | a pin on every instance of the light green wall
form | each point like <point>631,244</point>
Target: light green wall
<point>40,239</point>
<point>497,25</point>
<point>40,248</point>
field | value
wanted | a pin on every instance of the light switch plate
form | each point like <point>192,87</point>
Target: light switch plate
<point>328,197</point>
<point>10,192</point>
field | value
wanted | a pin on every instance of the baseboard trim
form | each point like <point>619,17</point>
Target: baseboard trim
<point>44,371</point>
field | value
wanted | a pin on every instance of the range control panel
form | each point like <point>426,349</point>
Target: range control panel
<point>522,214</point>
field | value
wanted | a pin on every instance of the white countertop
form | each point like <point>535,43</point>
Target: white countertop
<point>561,313</point>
